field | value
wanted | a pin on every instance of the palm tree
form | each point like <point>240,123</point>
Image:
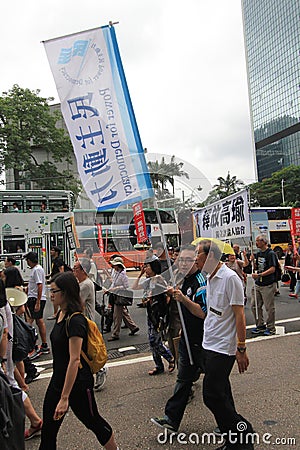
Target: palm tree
<point>154,170</point>
<point>163,173</point>
<point>226,186</point>
<point>175,170</point>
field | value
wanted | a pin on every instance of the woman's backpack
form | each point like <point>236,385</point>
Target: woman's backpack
<point>96,354</point>
<point>158,310</point>
<point>24,338</point>
<point>12,416</point>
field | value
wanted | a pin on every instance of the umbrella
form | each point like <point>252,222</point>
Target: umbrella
<point>223,246</point>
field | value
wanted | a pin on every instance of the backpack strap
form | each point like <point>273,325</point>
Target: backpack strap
<point>67,332</point>
<point>68,321</point>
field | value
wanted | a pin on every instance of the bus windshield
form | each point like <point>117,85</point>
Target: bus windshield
<point>36,221</point>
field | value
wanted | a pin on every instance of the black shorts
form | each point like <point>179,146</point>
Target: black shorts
<point>31,301</point>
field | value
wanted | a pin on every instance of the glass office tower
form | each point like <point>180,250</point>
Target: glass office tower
<point>272,43</point>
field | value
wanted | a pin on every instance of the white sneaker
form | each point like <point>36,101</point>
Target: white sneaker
<point>100,379</point>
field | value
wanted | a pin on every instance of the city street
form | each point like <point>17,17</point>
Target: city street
<point>268,394</point>
<point>287,315</point>
<point>134,135</point>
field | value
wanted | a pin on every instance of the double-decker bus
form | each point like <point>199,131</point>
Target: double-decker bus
<point>35,221</point>
<point>117,231</point>
<point>274,222</point>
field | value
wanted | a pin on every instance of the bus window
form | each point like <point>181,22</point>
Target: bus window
<point>105,218</point>
<point>57,205</point>
<point>279,213</point>
<point>13,244</point>
<point>36,206</point>
<point>166,217</point>
<point>280,237</point>
<point>13,206</point>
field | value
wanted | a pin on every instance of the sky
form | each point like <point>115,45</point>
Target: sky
<point>185,67</point>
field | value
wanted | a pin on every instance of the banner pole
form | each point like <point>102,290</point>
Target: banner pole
<point>173,282</point>
<point>251,249</point>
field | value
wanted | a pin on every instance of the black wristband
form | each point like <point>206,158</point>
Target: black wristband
<point>241,349</point>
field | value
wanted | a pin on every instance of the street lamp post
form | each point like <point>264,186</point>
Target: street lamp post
<point>282,191</point>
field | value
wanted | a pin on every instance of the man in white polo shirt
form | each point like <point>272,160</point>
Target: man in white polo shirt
<point>36,301</point>
<point>223,344</point>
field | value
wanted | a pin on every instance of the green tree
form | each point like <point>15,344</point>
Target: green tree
<point>281,189</point>
<point>225,187</point>
<point>174,169</point>
<point>61,180</point>
<point>162,173</point>
<point>157,177</point>
<point>27,124</point>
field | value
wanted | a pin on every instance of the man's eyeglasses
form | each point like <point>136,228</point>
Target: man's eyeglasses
<point>186,260</point>
<point>53,291</point>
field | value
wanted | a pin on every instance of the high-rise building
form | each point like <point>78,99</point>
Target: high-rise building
<point>272,43</point>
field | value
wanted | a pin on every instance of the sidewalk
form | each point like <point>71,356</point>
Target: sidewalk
<point>268,395</point>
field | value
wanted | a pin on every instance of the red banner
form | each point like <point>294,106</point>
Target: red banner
<point>296,221</point>
<point>291,224</point>
<point>139,222</point>
<point>100,238</point>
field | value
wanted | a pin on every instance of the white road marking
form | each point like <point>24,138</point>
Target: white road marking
<point>293,319</point>
<point>140,359</point>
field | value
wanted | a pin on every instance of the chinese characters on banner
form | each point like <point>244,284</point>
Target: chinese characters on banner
<point>77,243</point>
<point>139,223</point>
<point>69,233</point>
<point>98,113</point>
<point>226,219</point>
<point>295,226</point>
<point>296,221</point>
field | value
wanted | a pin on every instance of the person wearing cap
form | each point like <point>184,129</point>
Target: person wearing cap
<point>120,280</point>
<point>36,302</point>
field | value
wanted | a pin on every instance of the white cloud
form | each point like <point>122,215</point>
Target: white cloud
<point>184,63</point>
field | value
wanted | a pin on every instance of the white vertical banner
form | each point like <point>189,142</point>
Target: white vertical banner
<point>225,219</point>
<point>97,109</point>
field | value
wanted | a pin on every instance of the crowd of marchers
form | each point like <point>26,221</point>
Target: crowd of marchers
<point>194,298</point>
